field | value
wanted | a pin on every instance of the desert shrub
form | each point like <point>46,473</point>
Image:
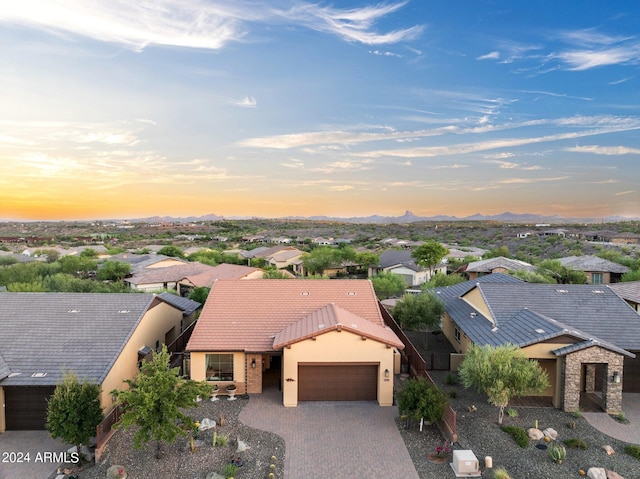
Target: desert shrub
<point>557,452</point>
<point>451,379</point>
<point>453,394</point>
<point>512,412</point>
<point>501,473</point>
<point>633,450</point>
<point>421,399</point>
<point>229,470</point>
<point>576,443</point>
<point>518,434</point>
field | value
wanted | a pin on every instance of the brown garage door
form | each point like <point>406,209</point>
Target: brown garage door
<point>26,407</point>
<point>338,382</point>
<point>631,374</point>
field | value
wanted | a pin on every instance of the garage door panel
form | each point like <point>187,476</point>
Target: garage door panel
<point>338,382</point>
<point>26,407</point>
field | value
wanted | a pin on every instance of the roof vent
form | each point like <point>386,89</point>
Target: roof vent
<point>351,293</point>
<point>73,311</point>
<point>598,291</point>
<point>305,293</point>
<point>473,314</point>
<point>13,375</point>
<point>562,290</point>
<point>124,311</point>
<point>38,375</point>
<point>494,329</point>
<point>540,331</point>
<point>320,326</point>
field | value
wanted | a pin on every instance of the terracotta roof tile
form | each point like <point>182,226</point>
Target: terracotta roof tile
<point>248,315</point>
<point>334,318</point>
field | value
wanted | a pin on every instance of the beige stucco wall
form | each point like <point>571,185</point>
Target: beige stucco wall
<point>199,365</point>
<point>475,299</point>
<point>448,328</point>
<point>337,347</point>
<point>153,326</point>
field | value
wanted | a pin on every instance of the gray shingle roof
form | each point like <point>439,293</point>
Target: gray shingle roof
<point>186,305</point>
<point>629,290</point>
<point>392,257</point>
<point>592,263</point>
<point>55,332</point>
<point>489,265</point>
<point>526,313</point>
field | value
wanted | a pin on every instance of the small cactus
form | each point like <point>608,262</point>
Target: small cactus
<point>557,453</point>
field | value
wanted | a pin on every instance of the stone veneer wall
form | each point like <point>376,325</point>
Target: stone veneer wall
<point>611,392</point>
<point>254,375</point>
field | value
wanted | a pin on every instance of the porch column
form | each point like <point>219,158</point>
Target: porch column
<point>571,383</point>
<point>590,378</point>
<point>254,374</point>
<point>611,390</point>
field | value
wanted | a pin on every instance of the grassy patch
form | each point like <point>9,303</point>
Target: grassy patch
<point>633,450</point>
<point>575,443</point>
<point>518,434</point>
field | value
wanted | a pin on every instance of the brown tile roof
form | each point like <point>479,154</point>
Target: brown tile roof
<point>333,318</point>
<point>248,315</point>
<point>199,274</point>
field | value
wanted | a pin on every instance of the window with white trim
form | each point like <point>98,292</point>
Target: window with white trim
<point>456,333</point>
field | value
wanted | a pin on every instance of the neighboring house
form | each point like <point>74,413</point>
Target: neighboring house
<point>100,337</point>
<point>401,262</point>
<point>583,336</point>
<point>279,256</point>
<point>140,262</point>
<point>475,269</point>
<point>598,270</point>
<point>320,339</point>
<point>630,292</point>
<point>184,277</point>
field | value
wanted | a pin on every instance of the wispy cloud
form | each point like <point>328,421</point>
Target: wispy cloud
<point>585,59</point>
<point>605,150</point>
<point>623,193</point>
<point>490,56</point>
<point>245,102</point>
<point>341,188</point>
<point>208,24</point>
<point>511,181</point>
<point>352,24</point>
<point>344,165</point>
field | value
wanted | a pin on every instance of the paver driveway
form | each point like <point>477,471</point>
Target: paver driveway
<point>37,444</point>
<point>333,439</point>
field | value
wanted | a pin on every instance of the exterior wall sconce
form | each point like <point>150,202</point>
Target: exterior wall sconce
<point>386,374</point>
<point>253,363</point>
<point>616,377</point>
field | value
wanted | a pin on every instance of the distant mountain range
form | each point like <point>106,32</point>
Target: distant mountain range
<point>408,217</point>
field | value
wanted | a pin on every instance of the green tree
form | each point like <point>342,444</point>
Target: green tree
<point>552,268</point>
<point>78,266</point>
<point>155,402</point>
<point>172,251</point>
<point>320,259</point>
<point>74,411</point>
<point>387,284</point>
<point>631,276</point>
<point>421,400</point>
<point>418,311</point>
<point>199,294</point>
<point>502,373</point>
<point>440,280</point>
<point>113,271</point>
<point>429,254</point>
<point>272,273</point>
<point>497,252</point>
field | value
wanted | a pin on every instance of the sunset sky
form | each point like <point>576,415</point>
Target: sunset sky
<point>126,109</point>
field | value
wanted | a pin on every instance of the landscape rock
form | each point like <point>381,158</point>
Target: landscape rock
<point>613,475</point>
<point>207,424</point>
<point>597,473</point>
<point>85,452</point>
<point>550,433</point>
<point>535,434</point>
<point>214,475</point>
<point>112,472</point>
<point>609,450</point>
<point>242,446</point>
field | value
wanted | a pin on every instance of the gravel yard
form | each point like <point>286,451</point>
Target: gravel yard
<point>178,461</point>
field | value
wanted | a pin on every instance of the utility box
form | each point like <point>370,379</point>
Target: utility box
<point>465,464</point>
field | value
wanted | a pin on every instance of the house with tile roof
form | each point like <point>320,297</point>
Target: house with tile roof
<point>316,339</point>
<point>401,262</point>
<point>100,337</point>
<point>585,337</point>
<point>630,292</point>
<point>500,264</point>
<point>184,277</point>
<point>598,270</point>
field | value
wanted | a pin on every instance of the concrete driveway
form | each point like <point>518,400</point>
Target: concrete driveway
<point>40,449</point>
<point>333,439</point>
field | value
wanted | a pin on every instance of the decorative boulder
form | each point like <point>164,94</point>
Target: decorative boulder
<point>609,450</point>
<point>550,433</point>
<point>207,424</point>
<point>613,475</point>
<point>597,473</point>
<point>535,434</point>
<point>242,446</point>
